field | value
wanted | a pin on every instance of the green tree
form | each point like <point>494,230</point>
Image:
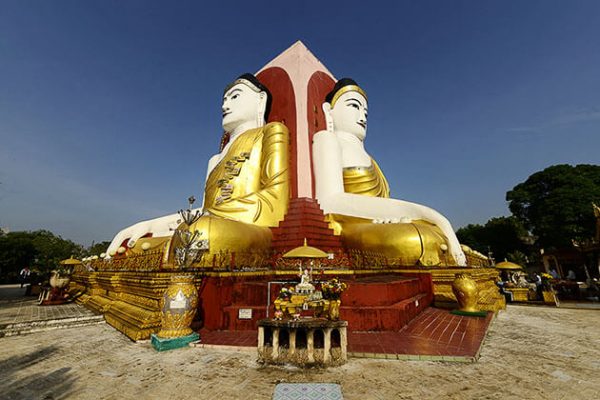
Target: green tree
<point>555,204</point>
<point>502,236</point>
<point>40,249</point>
<point>51,249</point>
<point>474,236</point>
<point>16,252</point>
<point>97,248</point>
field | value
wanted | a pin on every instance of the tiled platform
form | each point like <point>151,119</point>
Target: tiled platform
<point>433,335</point>
<point>20,314</point>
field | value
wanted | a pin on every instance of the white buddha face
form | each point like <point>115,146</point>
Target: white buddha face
<point>350,114</point>
<point>241,105</point>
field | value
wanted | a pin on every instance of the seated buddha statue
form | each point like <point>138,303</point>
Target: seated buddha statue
<point>247,183</point>
<point>355,196</point>
<point>247,187</point>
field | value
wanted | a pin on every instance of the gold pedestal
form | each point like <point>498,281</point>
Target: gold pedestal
<point>519,294</point>
<point>334,309</point>
<point>178,307</point>
<point>549,297</point>
<point>489,297</point>
<point>466,293</point>
<point>129,300</point>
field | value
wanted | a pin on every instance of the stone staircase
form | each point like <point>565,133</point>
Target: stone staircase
<point>305,220</point>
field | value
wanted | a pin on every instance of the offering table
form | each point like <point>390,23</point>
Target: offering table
<point>303,341</point>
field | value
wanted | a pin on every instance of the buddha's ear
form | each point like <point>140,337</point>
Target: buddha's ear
<point>262,106</point>
<point>328,117</point>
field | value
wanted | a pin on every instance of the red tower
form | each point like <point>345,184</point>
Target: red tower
<point>299,83</point>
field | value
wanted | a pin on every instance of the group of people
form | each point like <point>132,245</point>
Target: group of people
<point>519,279</point>
<point>535,282</point>
<point>570,274</point>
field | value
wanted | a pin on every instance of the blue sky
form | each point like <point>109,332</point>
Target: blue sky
<point>110,110</point>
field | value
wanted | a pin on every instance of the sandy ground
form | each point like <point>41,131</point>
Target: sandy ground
<point>529,353</point>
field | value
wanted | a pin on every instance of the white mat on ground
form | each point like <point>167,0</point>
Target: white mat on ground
<point>308,391</point>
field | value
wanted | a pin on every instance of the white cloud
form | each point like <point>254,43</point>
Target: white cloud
<point>563,117</point>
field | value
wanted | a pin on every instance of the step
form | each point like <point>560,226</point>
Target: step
<point>382,292</point>
<point>384,318</point>
<point>22,328</point>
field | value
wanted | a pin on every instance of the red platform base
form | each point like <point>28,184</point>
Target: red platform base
<point>375,303</point>
<point>385,303</point>
<point>54,296</point>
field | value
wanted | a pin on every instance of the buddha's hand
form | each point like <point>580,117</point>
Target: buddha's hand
<point>162,226</point>
<point>460,257</point>
<point>156,227</point>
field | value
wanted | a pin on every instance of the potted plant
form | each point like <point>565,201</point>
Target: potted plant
<point>332,291</point>
<point>547,291</point>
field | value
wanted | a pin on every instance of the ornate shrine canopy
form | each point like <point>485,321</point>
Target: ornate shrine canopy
<point>70,261</point>
<point>507,265</point>
<point>305,251</point>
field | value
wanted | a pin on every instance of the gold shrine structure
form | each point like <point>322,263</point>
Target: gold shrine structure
<point>265,196</point>
<point>128,291</point>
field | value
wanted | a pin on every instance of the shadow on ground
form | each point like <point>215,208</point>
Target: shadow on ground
<point>17,384</point>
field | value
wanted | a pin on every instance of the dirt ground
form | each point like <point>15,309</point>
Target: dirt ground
<point>529,353</point>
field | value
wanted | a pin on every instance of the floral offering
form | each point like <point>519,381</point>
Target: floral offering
<point>333,289</point>
<point>285,294</point>
<point>546,281</point>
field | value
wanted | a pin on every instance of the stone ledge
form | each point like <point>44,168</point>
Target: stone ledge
<point>50,322</point>
<point>23,328</point>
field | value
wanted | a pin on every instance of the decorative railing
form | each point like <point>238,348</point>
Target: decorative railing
<point>256,261</point>
<point>148,261</point>
<point>476,261</point>
<point>234,261</point>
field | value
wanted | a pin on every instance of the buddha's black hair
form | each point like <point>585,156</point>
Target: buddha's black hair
<point>254,80</point>
<point>339,85</point>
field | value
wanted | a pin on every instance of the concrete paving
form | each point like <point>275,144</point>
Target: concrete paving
<point>530,353</point>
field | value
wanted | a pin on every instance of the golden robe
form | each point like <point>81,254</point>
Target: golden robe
<point>247,192</point>
<point>406,244</point>
<point>251,182</point>
<point>367,181</point>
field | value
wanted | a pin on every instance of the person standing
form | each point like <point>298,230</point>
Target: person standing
<point>24,275</point>
<point>538,284</point>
